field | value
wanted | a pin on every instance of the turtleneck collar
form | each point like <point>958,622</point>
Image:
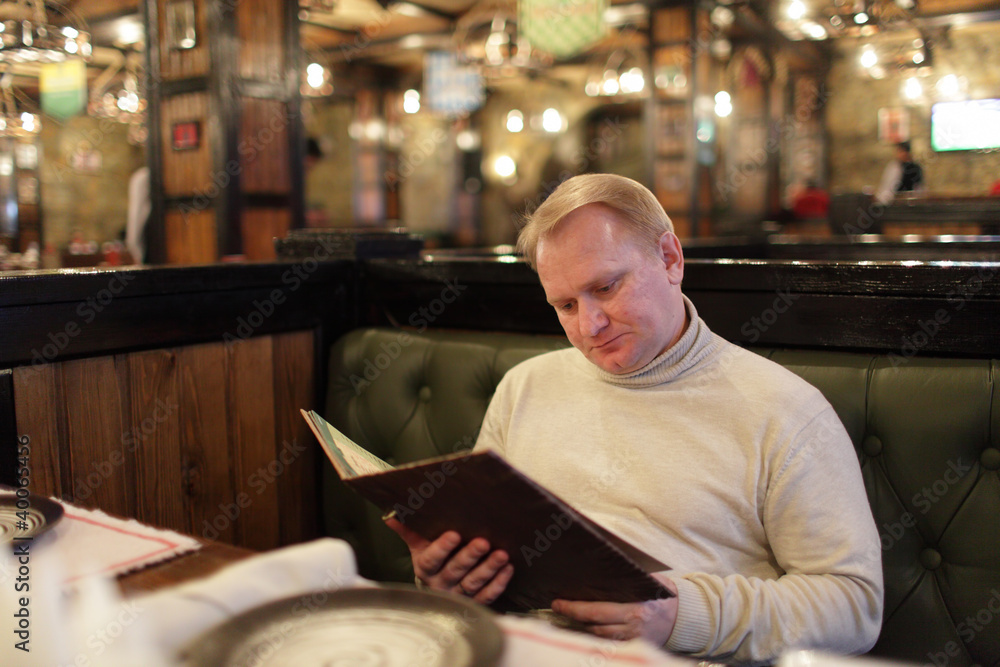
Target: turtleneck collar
<point>696,343</point>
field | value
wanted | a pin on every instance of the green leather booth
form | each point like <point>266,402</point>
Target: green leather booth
<point>926,430</point>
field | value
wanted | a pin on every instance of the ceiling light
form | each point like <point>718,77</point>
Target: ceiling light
<point>868,58</point>
<point>860,18</point>
<point>948,85</point>
<point>918,58</point>
<point>632,81</point>
<point>515,121</point>
<point>796,10</point>
<point>552,120</point>
<point>814,30</point>
<point>504,166</point>
<point>723,104</point>
<point>34,39</point>
<point>411,101</point>
<point>912,89</point>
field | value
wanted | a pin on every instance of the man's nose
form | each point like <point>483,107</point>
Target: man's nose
<point>592,319</point>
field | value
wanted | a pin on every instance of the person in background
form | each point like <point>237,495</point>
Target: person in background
<point>728,467</point>
<point>811,203</point>
<point>900,175</point>
<point>139,207</point>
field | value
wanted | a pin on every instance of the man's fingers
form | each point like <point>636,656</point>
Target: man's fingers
<point>596,613</point>
<point>485,571</point>
<point>495,587</point>
<point>463,561</point>
<point>428,561</point>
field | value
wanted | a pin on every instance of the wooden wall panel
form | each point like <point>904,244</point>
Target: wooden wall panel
<point>184,63</point>
<point>260,31</point>
<point>259,227</point>
<point>38,398</point>
<point>96,409</point>
<point>294,359</point>
<point>187,172</point>
<point>205,439</point>
<point>153,435</point>
<point>191,237</point>
<point>205,442</point>
<point>265,160</point>
<point>251,373</point>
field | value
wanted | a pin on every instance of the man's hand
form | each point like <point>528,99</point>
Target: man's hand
<point>472,570</point>
<point>652,620</point>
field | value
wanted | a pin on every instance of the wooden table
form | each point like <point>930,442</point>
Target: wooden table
<point>213,556</point>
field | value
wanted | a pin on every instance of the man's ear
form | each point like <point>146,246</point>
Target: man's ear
<point>673,257</point>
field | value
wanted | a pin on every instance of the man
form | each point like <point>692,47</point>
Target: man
<point>900,175</point>
<point>725,466</point>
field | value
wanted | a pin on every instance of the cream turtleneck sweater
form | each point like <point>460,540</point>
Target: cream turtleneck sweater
<point>725,466</point>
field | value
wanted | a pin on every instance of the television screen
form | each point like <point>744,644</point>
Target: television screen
<point>965,126</point>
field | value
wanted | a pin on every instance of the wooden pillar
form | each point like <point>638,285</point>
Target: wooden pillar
<point>226,142</point>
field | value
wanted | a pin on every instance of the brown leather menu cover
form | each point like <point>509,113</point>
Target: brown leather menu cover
<point>557,553</point>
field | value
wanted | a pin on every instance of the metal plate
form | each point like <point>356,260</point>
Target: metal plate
<point>29,520</point>
<point>370,627</point>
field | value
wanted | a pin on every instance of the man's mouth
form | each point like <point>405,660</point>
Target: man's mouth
<point>607,342</point>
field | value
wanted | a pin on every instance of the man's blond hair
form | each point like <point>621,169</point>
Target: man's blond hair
<point>638,210</point>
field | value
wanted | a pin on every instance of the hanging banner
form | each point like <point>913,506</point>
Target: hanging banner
<point>450,87</point>
<point>63,88</point>
<point>561,27</point>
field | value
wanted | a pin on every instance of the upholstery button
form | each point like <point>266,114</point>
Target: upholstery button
<point>425,394</point>
<point>871,445</point>
<point>930,558</point>
<point>990,458</point>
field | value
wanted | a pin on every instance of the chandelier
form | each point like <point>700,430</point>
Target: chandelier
<point>127,104</point>
<point>15,122</point>
<point>27,36</point>
<point>487,38</point>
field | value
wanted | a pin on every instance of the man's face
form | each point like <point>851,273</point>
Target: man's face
<point>620,304</point>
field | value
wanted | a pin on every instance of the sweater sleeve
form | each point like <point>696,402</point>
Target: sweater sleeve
<point>822,534</point>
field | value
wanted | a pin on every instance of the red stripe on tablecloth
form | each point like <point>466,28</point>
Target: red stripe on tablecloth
<point>570,646</point>
<point>168,545</point>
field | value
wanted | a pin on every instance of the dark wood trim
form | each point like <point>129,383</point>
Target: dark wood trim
<point>51,316</point>
<point>818,305</point>
<point>8,429</point>
<point>195,84</point>
<point>156,235</point>
<point>296,130</point>
<point>264,200</point>
<point>224,105</point>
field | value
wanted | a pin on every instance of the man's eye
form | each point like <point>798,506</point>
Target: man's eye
<point>606,289</point>
<point>566,307</point>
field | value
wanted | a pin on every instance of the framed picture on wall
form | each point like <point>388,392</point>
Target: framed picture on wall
<point>893,125</point>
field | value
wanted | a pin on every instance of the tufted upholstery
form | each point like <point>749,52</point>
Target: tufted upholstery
<point>927,432</point>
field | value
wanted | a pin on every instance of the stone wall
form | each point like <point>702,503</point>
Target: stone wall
<point>84,168</point>
<point>329,185</point>
<point>856,156</point>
